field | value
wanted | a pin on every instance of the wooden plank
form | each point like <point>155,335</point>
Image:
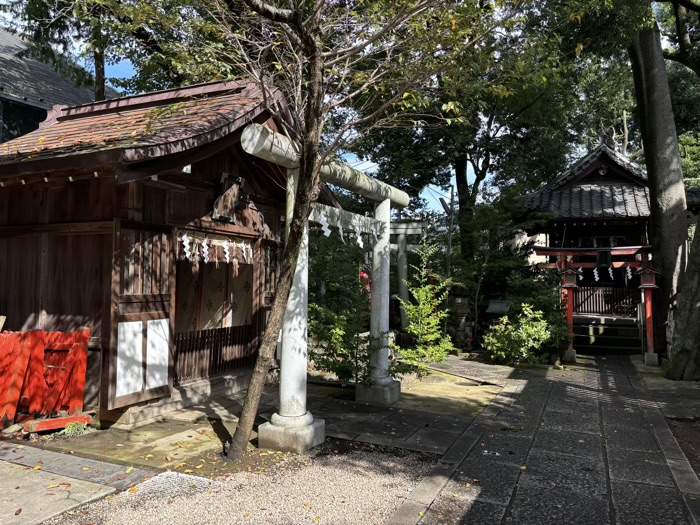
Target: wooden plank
<point>35,384</point>
<point>14,378</point>
<point>56,423</point>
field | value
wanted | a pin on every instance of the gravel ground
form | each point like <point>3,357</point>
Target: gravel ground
<point>350,487</point>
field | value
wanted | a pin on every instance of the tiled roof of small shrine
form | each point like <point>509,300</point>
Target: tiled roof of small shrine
<point>573,196</point>
<point>141,127</point>
<point>592,201</point>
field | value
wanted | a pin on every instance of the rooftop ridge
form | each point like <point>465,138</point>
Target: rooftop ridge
<point>62,113</point>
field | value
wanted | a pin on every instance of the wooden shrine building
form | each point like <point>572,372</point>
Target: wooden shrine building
<point>596,233</point>
<point>143,219</point>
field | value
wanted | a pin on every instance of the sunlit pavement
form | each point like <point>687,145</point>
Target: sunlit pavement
<point>583,445</point>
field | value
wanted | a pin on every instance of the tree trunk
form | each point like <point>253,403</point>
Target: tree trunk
<point>98,55</point>
<point>669,221</point>
<point>685,358</point>
<point>307,191</point>
<point>466,208</point>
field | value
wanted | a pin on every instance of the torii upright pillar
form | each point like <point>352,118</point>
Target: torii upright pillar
<point>382,390</point>
<point>292,428</point>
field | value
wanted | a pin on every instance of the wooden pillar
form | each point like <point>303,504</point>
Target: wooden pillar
<point>649,319</point>
<point>570,353</point>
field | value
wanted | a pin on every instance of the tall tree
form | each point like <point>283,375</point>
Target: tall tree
<point>669,220</point>
<point>323,55</point>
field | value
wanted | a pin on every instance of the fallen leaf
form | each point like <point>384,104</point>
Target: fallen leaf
<point>129,470</point>
<point>52,486</point>
<point>523,467</point>
<point>18,511</point>
<point>246,515</point>
<point>189,471</point>
<point>199,466</point>
<point>133,490</point>
<point>37,467</point>
<point>86,468</point>
<point>118,445</point>
<point>307,505</point>
<point>468,485</point>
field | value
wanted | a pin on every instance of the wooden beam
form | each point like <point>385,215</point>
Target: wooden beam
<point>68,228</point>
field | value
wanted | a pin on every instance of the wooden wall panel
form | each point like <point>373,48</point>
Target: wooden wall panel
<point>154,205</point>
<point>76,280</point>
<point>82,201</point>
<point>25,205</point>
<point>19,282</point>
<point>190,206</point>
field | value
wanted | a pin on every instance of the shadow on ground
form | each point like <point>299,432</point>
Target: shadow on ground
<point>576,446</point>
<point>430,417</point>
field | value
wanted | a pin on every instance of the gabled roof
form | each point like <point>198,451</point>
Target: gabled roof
<point>131,129</point>
<point>601,153</point>
<point>582,192</point>
<point>30,81</point>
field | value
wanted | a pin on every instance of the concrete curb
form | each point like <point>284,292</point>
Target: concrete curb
<point>683,474</point>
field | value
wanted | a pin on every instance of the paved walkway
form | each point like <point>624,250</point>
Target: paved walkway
<point>586,445</point>
<point>36,484</point>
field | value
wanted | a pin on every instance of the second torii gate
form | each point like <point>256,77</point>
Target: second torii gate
<point>292,427</point>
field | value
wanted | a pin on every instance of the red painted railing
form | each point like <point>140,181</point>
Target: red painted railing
<point>42,373</point>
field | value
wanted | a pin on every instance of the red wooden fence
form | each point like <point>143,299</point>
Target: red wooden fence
<point>42,373</point>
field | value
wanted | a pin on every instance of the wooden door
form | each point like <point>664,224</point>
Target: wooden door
<point>143,298</point>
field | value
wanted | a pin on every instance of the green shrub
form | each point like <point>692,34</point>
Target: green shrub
<point>74,429</point>
<point>425,316</point>
<point>520,339</point>
<point>339,344</point>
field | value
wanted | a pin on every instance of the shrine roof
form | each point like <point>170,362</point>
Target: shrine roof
<point>133,129</point>
<point>603,184</point>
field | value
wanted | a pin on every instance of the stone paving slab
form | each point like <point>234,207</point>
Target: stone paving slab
<point>506,447</point>
<point>119,477</point>
<point>444,510</point>
<point>639,504</point>
<point>630,438</point>
<point>535,505</point>
<point>575,474</point>
<point>483,479</point>
<point>571,443</point>
<point>29,497</point>
<point>639,467</point>
<point>580,446</point>
<point>587,422</point>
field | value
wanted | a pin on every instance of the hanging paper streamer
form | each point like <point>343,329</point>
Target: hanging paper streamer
<point>360,242</point>
<point>227,252</point>
<point>610,271</point>
<point>250,252</point>
<point>374,233</point>
<point>629,273</point>
<point>340,231</point>
<point>186,247</point>
<point>580,276</point>
<point>235,266</point>
<point>595,274</point>
<point>205,251</point>
<point>325,228</point>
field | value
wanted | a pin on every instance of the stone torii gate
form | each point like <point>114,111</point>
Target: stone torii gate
<point>292,427</point>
